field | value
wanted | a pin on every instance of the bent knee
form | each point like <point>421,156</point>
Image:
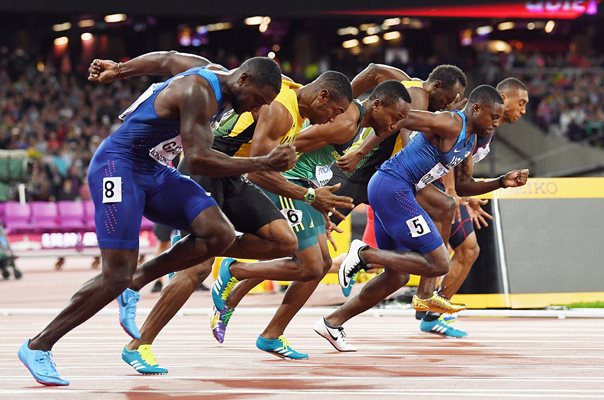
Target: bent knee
<point>312,272</point>
<point>281,234</point>
<point>117,280</point>
<point>327,263</point>
<point>288,242</point>
<point>220,238</point>
<point>436,270</point>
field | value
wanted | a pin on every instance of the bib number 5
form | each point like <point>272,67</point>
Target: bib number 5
<point>418,226</point>
<point>112,189</point>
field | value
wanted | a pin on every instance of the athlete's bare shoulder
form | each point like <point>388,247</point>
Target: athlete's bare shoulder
<point>192,90</point>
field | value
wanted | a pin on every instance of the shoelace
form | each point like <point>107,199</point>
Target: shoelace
<point>228,312</point>
<point>132,302</point>
<point>46,363</point>
<point>147,355</point>
<point>342,333</point>
<point>354,269</point>
<point>229,288</point>
<point>284,343</point>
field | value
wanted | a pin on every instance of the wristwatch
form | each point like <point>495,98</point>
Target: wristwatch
<point>310,196</point>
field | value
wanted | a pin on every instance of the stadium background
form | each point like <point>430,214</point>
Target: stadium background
<point>52,119</point>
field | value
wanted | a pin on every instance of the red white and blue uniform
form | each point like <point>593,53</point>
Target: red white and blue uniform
<point>400,222</point>
<point>129,175</point>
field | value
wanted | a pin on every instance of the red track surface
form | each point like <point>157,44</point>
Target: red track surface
<point>502,357</point>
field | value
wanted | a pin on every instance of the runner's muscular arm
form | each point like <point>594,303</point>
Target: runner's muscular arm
<point>465,185</point>
<point>162,63</point>
<point>273,122</point>
<point>444,124</point>
<point>154,63</point>
<point>197,139</point>
<point>340,131</point>
<point>373,75</point>
<point>348,163</point>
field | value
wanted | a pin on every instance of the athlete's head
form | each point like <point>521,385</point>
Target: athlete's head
<point>486,107</point>
<point>446,83</point>
<point>330,95</point>
<point>387,105</point>
<point>515,98</point>
<point>257,82</point>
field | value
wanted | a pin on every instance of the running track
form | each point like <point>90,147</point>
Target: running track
<point>502,358</point>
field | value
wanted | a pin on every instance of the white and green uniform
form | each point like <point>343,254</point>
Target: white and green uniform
<point>313,169</point>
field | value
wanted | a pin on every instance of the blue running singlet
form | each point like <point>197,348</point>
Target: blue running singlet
<point>129,174</point>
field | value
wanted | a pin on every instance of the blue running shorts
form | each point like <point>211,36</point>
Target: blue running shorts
<point>123,191</point>
<point>400,222</point>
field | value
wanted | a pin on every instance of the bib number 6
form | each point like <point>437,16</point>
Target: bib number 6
<point>293,217</point>
<point>112,189</point>
<point>418,226</point>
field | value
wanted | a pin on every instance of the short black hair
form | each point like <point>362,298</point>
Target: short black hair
<point>389,92</point>
<point>485,95</point>
<point>448,75</point>
<point>337,83</point>
<point>263,72</point>
<point>511,83</point>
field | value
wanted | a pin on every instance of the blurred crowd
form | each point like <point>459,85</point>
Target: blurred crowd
<point>566,91</point>
<point>60,118</point>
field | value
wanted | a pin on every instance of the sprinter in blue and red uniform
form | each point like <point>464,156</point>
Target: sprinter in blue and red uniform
<point>129,178</point>
<point>403,228</point>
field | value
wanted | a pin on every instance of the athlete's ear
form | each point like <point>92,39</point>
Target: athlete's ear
<point>475,108</point>
<point>243,79</point>
<point>324,95</point>
<point>436,84</point>
<point>377,104</point>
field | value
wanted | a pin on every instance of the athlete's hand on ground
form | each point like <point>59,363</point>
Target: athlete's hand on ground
<point>516,178</point>
<point>282,158</point>
<point>103,71</point>
<point>349,162</point>
<point>326,201</point>
<point>476,213</point>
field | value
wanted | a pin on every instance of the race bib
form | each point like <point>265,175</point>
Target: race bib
<point>167,150</point>
<point>323,174</point>
<point>293,217</point>
<point>418,226</point>
<point>481,153</point>
<point>437,172</point>
<point>112,189</point>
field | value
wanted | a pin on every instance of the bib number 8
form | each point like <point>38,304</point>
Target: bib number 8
<point>418,226</point>
<point>112,190</point>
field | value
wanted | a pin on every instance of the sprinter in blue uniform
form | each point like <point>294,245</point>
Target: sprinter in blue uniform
<point>403,229</point>
<point>129,178</point>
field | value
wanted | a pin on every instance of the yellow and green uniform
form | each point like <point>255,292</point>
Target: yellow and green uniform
<point>380,153</point>
<point>311,170</point>
<point>315,166</point>
<point>234,133</point>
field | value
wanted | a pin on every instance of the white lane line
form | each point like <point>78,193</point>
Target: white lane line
<point>322,311</point>
<point>329,378</point>
<point>481,393</point>
<point>441,365</point>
